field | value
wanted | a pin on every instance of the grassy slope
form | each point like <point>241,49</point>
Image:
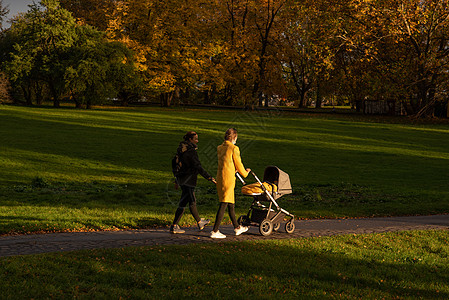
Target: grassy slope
<point>111,168</point>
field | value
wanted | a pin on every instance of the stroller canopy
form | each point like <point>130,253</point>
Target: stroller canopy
<point>276,176</point>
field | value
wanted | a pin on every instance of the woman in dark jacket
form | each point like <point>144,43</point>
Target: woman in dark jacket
<point>186,178</point>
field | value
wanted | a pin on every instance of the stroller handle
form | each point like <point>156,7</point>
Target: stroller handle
<point>240,178</point>
<point>255,177</point>
<point>237,174</point>
<point>265,190</point>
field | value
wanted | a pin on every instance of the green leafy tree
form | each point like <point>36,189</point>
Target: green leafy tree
<point>99,69</point>
<point>42,37</point>
<point>47,52</point>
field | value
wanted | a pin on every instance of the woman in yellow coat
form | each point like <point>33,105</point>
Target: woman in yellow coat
<point>229,162</point>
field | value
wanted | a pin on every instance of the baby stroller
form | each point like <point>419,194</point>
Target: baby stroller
<point>264,211</point>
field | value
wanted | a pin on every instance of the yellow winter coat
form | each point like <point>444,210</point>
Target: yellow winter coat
<point>229,162</point>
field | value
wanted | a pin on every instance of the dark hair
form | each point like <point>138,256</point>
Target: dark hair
<point>189,135</point>
<point>230,134</point>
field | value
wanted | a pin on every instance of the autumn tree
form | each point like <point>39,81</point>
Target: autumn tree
<point>266,16</point>
<point>311,43</point>
<point>406,43</point>
<point>234,60</point>
<point>93,12</point>
<point>244,51</point>
<point>423,28</point>
<point>166,38</point>
<point>230,50</point>
<point>247,33</point>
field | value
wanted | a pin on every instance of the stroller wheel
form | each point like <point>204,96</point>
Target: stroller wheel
<point>266,227</point>
<point>290,226</point>
<point>276,226</point>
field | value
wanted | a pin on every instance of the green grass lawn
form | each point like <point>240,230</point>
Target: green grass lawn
<point>66,169</point>
<point>410,265</point>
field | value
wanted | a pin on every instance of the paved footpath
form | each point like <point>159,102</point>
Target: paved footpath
<point>56,242</point>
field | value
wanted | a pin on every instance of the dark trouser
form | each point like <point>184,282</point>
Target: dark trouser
<point>187,197</point>
<point>221,212</point>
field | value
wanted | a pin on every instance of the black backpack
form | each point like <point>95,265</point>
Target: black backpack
<point>176,165</point>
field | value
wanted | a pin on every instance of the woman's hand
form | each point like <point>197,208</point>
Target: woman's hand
<point>248,170</point>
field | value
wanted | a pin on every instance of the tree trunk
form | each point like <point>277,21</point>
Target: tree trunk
<point>56,100</point>
<point>256,93</point>
<point>227,97</point>
<point>89,104</point>
<point>166,99</point>
<point>38,93</point>
<point>318,95</point>
<point>302,88</point>
<point>427,101</point>
<point>27,94</point>
<point>125,98</point>
<point>414,105</point>
<point>78,104</point>
<point>302,98</point>
<point>211,95</point>
<point>206,97</point>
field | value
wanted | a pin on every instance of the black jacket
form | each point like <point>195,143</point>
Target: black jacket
<point>191,165</point>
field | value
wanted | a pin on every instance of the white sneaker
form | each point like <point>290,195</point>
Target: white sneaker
<point>202,223</point>
<point>217,235</point>
<point>241,229</point>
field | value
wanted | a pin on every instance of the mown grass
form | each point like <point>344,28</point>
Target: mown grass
<point>67,169</point>
<point>408,265</point>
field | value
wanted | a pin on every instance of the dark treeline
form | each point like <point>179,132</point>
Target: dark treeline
<point>230,52</point>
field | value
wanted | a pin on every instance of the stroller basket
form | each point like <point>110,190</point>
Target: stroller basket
<point>258,215</point>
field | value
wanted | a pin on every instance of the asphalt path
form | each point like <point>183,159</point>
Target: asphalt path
<point>57,242</point>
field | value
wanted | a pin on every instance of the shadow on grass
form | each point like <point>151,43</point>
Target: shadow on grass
<point>8,219</point>
<point>258,269</point>
<point>276,269</point>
